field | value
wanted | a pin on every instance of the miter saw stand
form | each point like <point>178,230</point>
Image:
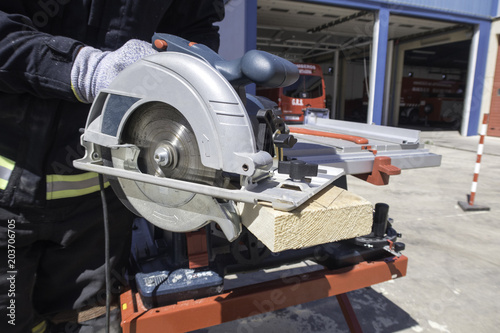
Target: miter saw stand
<point>179,278</point>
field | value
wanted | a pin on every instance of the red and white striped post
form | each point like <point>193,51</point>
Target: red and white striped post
<point>480,148</point>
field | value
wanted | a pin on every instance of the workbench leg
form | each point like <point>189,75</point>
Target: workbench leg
<point>349,314</point>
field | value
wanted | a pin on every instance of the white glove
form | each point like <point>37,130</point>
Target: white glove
<point>94,69</point>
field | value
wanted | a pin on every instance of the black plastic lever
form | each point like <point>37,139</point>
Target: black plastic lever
<point>298,169</point>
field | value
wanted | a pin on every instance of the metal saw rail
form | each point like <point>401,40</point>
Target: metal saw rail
<point>402,146</point>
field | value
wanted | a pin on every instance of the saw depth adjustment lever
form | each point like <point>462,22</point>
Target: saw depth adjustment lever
<point>273,135</point>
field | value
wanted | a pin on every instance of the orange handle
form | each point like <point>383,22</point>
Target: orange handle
<point>352,138</point>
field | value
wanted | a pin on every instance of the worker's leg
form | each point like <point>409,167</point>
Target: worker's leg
<point>19,256</point>
<point>70,285</point>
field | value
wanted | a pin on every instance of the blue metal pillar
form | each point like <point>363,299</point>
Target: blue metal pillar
<point>238,30</point>
<point>250,25</point>
<point>378,64</point>
<point>250,33</point>
<point>480,74</point>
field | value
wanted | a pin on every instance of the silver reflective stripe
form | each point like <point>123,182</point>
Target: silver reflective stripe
<point>59,186</point>
<point>5,173</point>
<point>78,185</point>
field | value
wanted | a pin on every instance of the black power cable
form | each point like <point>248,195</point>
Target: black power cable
<point>106,251</point>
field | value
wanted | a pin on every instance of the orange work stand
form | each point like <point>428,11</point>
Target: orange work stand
<point>264,297</point>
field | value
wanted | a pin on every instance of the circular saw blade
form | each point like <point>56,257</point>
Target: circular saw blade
<point>159,141</point>
<point>168,148</point>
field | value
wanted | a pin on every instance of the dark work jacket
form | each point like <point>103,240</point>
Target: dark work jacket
<point>40,117</point>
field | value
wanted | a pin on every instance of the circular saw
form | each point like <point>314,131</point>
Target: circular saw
<point>181,142</point>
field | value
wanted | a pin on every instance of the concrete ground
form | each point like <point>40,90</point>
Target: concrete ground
<point>453,279</point>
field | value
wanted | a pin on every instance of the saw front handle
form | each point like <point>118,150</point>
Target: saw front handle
<point>255,66</point>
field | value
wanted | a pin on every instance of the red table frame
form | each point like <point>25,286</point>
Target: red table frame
<point>264,297</point>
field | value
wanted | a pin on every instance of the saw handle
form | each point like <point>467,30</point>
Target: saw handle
<point>259,67</point>
<point>255,66</point>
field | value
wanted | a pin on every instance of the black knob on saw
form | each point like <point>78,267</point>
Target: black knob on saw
<point>268,125</point>
<point>284,140</point>
<point>298,169</point>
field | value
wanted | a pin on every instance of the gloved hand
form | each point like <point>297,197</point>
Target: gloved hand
<point>94,69</point>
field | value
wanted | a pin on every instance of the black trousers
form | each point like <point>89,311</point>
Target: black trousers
<point>52,262</point>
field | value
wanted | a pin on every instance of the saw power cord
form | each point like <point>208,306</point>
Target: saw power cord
<point>106,251</point>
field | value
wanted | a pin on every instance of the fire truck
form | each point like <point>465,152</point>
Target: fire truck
<point>304,98</point>
<point>428,100</point>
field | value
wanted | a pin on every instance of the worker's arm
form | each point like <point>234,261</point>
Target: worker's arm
<point>34,62</point>
<point>58,67</point>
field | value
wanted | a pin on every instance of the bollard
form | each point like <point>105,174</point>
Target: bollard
<point>469,204</point>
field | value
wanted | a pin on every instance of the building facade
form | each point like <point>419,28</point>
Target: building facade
<point>405,62</point>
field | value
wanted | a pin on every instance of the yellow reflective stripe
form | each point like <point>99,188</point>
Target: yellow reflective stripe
<point>6,163</point>
<point>6,167</point>
<point>73,193</point>
<point>72,178</point>
<point>3,184</point>
<point>40,328</point>
<point>73,89</point>
<point>59,186</point>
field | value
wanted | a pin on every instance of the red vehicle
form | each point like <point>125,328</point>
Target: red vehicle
<point>307,94</point>
<point>431,101</point>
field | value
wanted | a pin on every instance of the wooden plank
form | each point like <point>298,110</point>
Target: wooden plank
<point>332,215</point>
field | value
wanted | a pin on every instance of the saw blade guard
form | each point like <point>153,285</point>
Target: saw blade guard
<point>200,93</point>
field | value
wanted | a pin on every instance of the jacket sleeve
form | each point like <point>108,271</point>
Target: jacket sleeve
<point>34,62</point>
<point>194,20</point>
